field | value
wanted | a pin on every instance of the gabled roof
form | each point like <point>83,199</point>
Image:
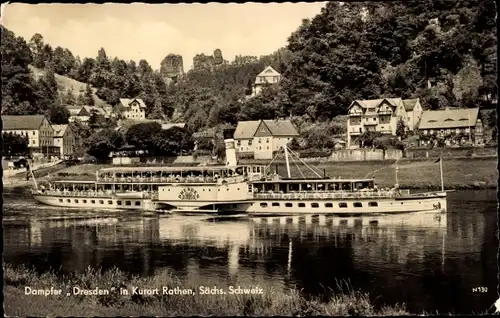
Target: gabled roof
<point>449,118</point>
<point>246,129</point>
<point>27,122</point>
<point>395,102</point>
<point>166,126</point>
<point>410,103</point>
<point>125,102</point>
<point>269,71</point>
<point>59,130</point>
<point>281,127</point>
<point>367,103</point>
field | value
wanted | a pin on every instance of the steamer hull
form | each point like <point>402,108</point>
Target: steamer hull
<point>352,206</point>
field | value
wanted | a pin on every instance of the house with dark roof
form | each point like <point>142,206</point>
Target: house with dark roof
<point>131,108</point>
<point>455,125</point>
<point>381,115</point>
<point>36,128</point>
<point>65,139</point>
<point>262,137</point>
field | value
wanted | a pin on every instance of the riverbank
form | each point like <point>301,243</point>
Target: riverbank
<point>459,174</point>
<point>269,303</point>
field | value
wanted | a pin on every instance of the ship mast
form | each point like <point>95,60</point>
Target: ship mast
<point>287,163</point>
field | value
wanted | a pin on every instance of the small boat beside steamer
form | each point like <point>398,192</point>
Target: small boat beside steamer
<point>232,189</point>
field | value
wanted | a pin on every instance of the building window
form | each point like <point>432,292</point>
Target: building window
<point>84,201</point>
<point>119,202</point>
<point>137,203</point>
<point>250,142</point>
<point>68,200</point>
<point>128,203</point>
<point>267,140</point>
<point>238,143</point>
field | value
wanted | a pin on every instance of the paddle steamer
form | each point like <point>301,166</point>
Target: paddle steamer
<point>252,189</point>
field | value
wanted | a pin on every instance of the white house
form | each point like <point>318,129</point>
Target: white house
<point>381,115</point>
<point>268,76</point>
<point>65,139</point>
<point>36,128</point>
<point>262,137</point>
<point>134,108</point>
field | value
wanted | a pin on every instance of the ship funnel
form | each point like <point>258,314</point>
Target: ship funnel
<point>230,149</point>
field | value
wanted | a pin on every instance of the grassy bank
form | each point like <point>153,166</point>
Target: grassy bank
<point>464,173</point>
<point>270,303</point>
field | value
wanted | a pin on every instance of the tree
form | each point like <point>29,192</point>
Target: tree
<point>173,141</point>
<point>58,114</point>
<point>367,138</point>
<point>18,86</point>
<point>87,97</point>
<point>101,143</point>
<point>14,144</point>
<point>401,128</point>
<point>97,120</point>
<point>68,97</point>
<point>36,46</point>
<point>142,135</point>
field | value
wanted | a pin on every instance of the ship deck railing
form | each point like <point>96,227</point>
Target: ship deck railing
<point>94,194</point>
<point>173,179</point>
<point>328,195</point>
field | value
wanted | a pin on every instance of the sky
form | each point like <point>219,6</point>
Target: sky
<point>145,31</point>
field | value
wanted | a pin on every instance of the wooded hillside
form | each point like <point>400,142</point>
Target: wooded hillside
<point>443,52</point>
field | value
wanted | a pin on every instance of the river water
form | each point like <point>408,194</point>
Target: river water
<point>429,261</point>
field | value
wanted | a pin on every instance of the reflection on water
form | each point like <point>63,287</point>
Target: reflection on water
<point>430,261</point>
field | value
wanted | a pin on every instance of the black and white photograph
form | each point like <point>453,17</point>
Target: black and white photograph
<point>252,159</point>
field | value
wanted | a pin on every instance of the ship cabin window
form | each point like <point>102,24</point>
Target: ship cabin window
<point>110,202</point>
<point>276,204</point>
<point>357,205</point>
<point>250,188</point>
<point>333,186</point>
<point>101,201</point>
<point>119,202</point>
<point>314,205</point>
<point>372,204</point>
<point>288,205</point>
<point>92,201</point>
<point>128,203</point>
<point>302,205</point>
<point>60,200</point>
<point>294,187</point>
<point>263,205</point>
<point>346,186</point>
<point>342,205</point>
<point>328,205</point>
<point>363,185</point>
<point>137,203</point>
<point>84,201</point>
<point>68,200</point>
